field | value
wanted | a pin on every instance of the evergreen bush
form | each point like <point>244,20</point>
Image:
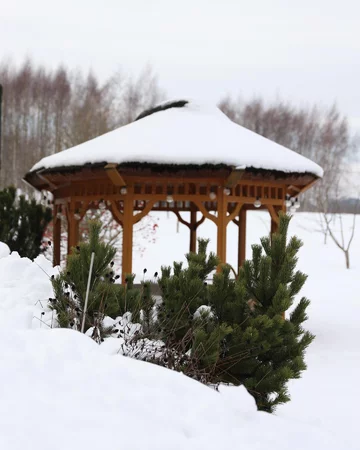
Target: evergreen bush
<point>245,339</point>
<point>227,331</point>
<point>22,223</point>
<point>106,298</point>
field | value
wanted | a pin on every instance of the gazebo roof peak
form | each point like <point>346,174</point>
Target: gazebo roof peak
<point>183,132</point>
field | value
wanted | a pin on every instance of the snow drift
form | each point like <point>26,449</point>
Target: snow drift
<point>60,390</point>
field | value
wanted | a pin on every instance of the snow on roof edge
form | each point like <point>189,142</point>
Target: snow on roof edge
<point>207,132</point>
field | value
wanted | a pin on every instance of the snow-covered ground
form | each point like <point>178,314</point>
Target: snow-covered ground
<point>60,390</point>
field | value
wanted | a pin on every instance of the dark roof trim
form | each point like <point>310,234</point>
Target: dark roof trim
<point>163,107</point>
<point>173,169</point>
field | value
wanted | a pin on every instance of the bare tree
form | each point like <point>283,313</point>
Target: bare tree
<point>61,91</point>
<point>332,222</point>
<point>90,112</point>
<point>320,134</point>
<point>47,111</point>
<point>340,242</point>
<point>137,94</point>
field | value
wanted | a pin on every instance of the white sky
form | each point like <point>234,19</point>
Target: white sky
<point>305,51</point>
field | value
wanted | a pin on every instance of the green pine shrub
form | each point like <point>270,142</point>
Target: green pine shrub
<point>227,331</point>
<point>245,340</point>
<point>70,285</point>
<point>22,223</point>
<point>106,298</point>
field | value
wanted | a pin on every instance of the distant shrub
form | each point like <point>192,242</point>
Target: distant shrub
<point>22,223</point>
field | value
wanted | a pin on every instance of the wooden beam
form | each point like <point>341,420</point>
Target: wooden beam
<point>44,178</point>
<point>221,226</point>
<point>196,198</point>
<point>273,213</point>
<point>56,236</point>
<point>251,200</point>
<point>180,219</point>
<point>293,188</point>
<point>117,215</point>
<point>275,218</point>
<point>73,228</point>
<point>114,175</point>
<point>242,237</point>
<point>275,228</point>
<point>234,177</point>
<point>144,212</point>
<point>193,230</point>
<point>127,236</point>
<point>192,225</point>
<point>199,222</point>
<point>174,179</point>
<point>204,211</point>
<point>234,213</point>
<point>309,185</point>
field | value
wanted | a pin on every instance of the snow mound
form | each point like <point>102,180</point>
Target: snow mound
<point>4,250</point>
<point>62,392</point>
<point>24,289</point>
<point>195,133</point>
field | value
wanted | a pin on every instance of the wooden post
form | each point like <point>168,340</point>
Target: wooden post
<point>128,218</point>
<point>273,227</point>
<point>275,224</point>
<point>193,228</point>
<point>56,236</point>
<point>73,228</point>
<point>221,225</point>
<point>192,225</point>
<point>242,237</point>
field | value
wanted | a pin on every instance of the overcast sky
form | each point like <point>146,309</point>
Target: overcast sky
<point>304,51</point>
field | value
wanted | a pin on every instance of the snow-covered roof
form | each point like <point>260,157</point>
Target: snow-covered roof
<point>183,132</point>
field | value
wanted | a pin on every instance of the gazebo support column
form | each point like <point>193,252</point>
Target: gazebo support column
<point>56,237</point>
<point>73,229</point>
<point>274,224</point>
<point>242,237</point>
<point>192,225</point>
<point>127,223</point>
<point>221,226</point>
<point>274,213</point>
<point>193,228</point>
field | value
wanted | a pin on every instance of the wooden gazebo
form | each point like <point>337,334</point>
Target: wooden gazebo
<point>179,157</point>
